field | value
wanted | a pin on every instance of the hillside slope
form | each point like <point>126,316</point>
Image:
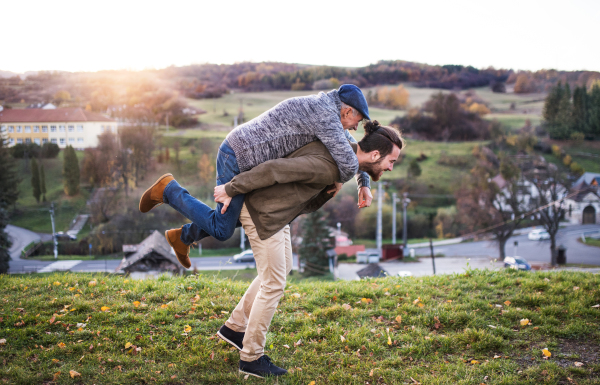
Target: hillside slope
<point>451,329</point>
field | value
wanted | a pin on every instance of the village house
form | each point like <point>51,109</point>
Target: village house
<point>62,126</point>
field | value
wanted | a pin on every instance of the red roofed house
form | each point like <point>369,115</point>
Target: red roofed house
<point>63,126</point>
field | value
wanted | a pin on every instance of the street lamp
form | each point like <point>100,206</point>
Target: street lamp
<point>405,202</point>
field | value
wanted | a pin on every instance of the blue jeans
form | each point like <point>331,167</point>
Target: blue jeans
<point>206,221</point>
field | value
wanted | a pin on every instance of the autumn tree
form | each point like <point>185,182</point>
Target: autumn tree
<point>490,197</point>
<point>61,96</point>
<point>550,191</point>
<point>9,193</point>
<point>393,97</point>
<point>206,170</point>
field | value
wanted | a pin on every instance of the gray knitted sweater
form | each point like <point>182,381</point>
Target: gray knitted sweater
<point>292,124</point>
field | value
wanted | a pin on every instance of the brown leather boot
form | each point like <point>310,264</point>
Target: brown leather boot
<point>182,251</point>
<point>153,197</point>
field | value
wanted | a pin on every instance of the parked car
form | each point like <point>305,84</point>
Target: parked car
<point>536,235</point>
<point>65,236</point>
<point>516,263</point>
<point>244,256</point>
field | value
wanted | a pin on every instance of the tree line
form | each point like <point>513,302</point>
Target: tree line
<point>572,115</point>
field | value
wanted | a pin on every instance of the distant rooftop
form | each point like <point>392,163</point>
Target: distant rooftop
<point>58,115</point>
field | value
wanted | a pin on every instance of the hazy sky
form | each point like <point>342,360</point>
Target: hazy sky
<point>95,35</point>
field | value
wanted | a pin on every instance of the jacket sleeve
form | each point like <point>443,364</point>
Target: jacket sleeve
<point>362,178</point>
<point>306,169</point>
<point>331,134</point>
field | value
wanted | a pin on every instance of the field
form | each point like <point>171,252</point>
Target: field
<point>492,327</point>
<point>36,216</point>
<point>527,106</point>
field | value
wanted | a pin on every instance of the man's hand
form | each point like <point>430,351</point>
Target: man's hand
<point>364,197</point>
<point>336,189</point>
<point>222,197</point>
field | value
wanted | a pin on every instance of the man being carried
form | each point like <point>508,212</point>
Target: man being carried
<point>274,134</point>
<point>276,192</point>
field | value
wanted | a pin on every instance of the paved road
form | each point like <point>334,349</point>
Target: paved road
<point>20,238</point>
<point>532,251</point>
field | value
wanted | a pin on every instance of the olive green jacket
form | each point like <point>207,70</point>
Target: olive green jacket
<point>279,190</point>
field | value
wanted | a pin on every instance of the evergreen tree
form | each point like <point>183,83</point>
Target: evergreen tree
<point>561,128</point>
<point>35,180</point>
<point>43,182</point>
<point>9,177</point>
<point>70,172</point>
<point>316,240</point>
<point>9,192</point>
<point>414,170</point>
<point>551,104</point>
<point>5,243</point>
<point>580,110</point>
<point>594,110</point>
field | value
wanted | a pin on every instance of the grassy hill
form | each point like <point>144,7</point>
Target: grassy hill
<point>478,327</point>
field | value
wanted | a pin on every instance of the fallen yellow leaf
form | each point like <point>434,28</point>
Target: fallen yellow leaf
<point>187,328</point>
<point>136,303</point>
<point>74,374</point>
<point>128,345</point>
<point>61,345</point>
<point>56,283</point>
<point>104,308</point>
<point>342,338</point>
<point>125,281</point>
<point>71,288</point>
<point>312,383</point>
<point>367,300</point>
<point>474,362</point>
<point>546,352</point>
<point>389,340</point>
<point>420,304</point>
<point>524,322</point>
<point>449,301</point>
<point>56,375</point>
<point>92,283</point>
<point>507,303</point>
<point>55,360</point>
<point>399,319</point>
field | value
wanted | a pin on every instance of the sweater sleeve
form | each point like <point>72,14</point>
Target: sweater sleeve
<point>308,169</point>
<point>331,134</point>
<point>362,178</point>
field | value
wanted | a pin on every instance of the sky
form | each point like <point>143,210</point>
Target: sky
<point>127,34</point>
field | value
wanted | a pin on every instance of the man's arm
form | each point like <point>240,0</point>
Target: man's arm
<point>331,134</point>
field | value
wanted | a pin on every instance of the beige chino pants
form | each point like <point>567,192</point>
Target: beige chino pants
<point>254,312</point>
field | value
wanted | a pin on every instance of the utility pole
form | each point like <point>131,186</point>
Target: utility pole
<point>394,200</point>
<point>405,202</point>
<point>242,239</point>
<point>53,231</point>
<point>379,208</point>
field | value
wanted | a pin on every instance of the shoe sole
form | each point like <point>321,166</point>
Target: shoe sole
<point>150,189</point>
<point>229,342</point>
<point>252,374</point>
<point>173,247</point>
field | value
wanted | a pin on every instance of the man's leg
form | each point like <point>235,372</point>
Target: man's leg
<point>207,221</point>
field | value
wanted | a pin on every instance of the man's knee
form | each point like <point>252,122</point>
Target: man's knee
<point>223,234</point>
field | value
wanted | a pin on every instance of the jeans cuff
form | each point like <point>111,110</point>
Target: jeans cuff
<point>165,194</point>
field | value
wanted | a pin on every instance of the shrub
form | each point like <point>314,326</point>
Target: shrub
<point>576,169</point>
<point>556,151</point>
<point>567,160</point>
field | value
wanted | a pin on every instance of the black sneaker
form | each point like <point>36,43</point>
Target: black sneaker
<point>263,367</point>
<point>234,338</point>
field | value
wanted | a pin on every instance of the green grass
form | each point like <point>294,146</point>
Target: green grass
<point>448,329</point>
<point>36,216</point>
<point>590,242</point>
<point>216,252</point>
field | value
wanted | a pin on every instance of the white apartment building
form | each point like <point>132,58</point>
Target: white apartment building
<point>63,126</point>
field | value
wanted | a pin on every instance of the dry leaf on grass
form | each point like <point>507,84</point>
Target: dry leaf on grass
<point>507,303</point>
<point>187,328</point>
<point>346,306</point>
<point>399,319</point>
<point>104,308</point>
<point>343,338</point>
<point>575,288</point>
<point>74,374</point>
<point>546,352</point>
<point>136,303</point>
<point>61,345</point>
<point>3,341</point>
<point>474,362</point>
<point>524,322</point>
<point>367,300</point>
<point>286,346</point>
<point>128,345</point>
<point>296,295</point>
<point>598,305</point>
<point>92,283</point>
<point>578,364</point>
<point>312,383</point>
<point>298,343</point>
<point>56,375</point>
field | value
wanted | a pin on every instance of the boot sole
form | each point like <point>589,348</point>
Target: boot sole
<point>148,190</point>
<point>173,247</point>
<point>228,341</point>
<point>252,374</point>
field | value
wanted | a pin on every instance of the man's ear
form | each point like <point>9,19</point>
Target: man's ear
<point>375,155</point>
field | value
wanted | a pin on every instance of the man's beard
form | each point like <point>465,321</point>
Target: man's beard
<point>372,169</point>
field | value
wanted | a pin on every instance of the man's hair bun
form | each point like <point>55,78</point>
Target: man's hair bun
<point>371,126</point>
